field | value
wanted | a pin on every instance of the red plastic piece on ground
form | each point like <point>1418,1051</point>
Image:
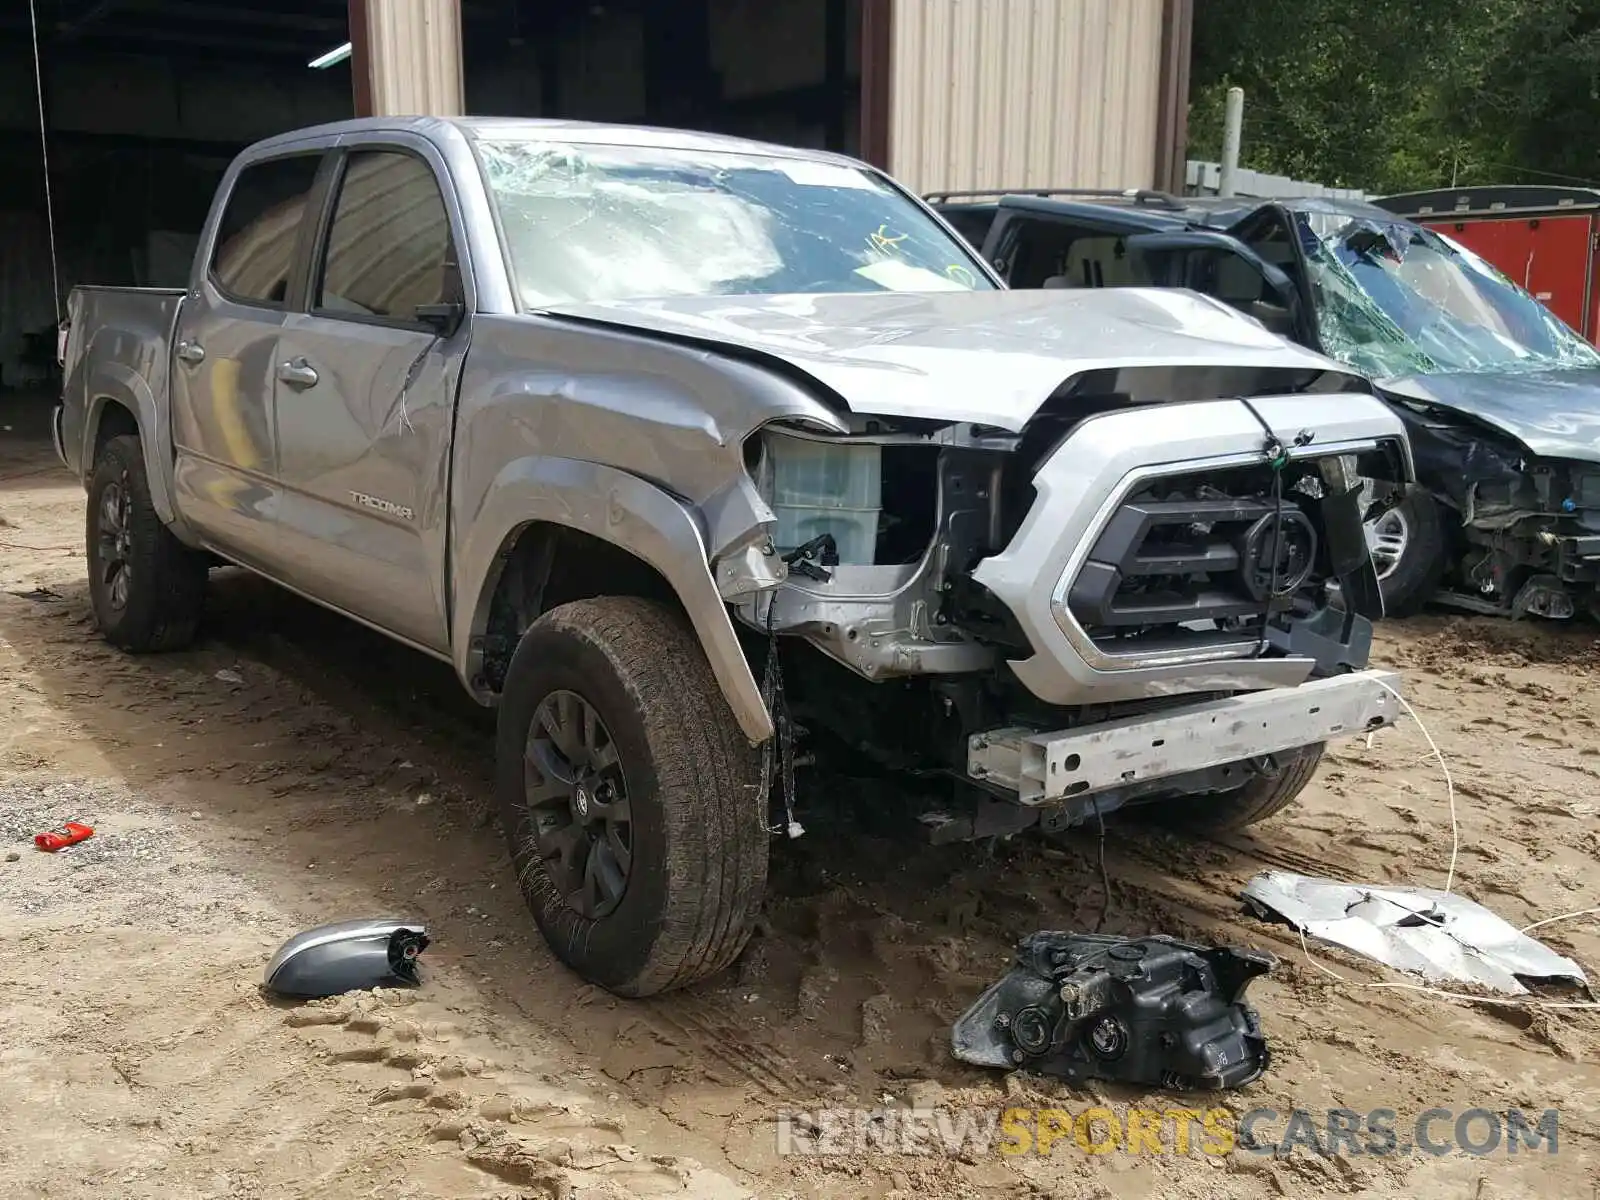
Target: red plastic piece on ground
<point>69,834</point>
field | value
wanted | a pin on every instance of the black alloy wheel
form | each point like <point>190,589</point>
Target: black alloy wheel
<point>577,798</point>
<point>629,797</point>
<point>115,530</point>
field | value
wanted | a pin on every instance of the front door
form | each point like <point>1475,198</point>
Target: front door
<point>224,354</point>
<point>365,392</point>
<point>1048,243</point>
<point>1271,232</point>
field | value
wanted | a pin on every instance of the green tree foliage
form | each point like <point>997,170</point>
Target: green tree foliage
<point>1391,95</point>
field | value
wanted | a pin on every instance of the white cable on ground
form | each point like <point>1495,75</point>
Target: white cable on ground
<point>1528,1005</point>
<point>1449,784</point>
<point>1582,912</point>
<point>1455,852</point>
<point>44,153</point>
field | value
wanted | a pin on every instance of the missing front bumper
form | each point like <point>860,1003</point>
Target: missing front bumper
<point>1043,768</point>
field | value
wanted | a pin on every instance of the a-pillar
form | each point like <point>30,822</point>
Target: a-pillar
<point>406,57</point>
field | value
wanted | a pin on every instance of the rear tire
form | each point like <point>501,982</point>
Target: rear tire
<point>146,587</point>
<point>1262,797</point>
<point>639,844</point>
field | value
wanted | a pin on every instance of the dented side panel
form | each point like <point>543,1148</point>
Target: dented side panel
<point>618,508</point>
<point>638,442</point>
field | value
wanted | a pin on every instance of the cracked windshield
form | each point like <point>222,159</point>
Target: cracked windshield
<point>1396,299</point>
<point>619,222</point>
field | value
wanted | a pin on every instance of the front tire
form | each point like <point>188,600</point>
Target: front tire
<point>1264,796</point>
<point>146,587</point>
<point>1407,544</point>
<point>628,795</point>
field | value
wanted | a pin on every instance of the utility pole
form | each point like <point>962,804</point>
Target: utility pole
<point>1233,126</point>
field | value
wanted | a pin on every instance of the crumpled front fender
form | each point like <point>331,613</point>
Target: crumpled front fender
<point>618,508</point>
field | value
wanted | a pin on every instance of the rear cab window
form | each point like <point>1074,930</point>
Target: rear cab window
<point>253,257</point>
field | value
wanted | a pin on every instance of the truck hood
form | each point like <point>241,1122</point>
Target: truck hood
<point>991,358</point>
<point>1554,414</point>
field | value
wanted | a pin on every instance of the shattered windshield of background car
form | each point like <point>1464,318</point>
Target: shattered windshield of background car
<point>1393,298</point>
<point>596,222</point>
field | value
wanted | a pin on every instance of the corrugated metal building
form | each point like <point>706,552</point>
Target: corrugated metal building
<point>1036,93</point>
<point>947,94</point>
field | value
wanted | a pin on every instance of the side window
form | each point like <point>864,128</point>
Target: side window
<point>1038,253</point>
<point>971,223</point>
<point>389,245</point>
<point>1269,236</point>
<point>254,252</point>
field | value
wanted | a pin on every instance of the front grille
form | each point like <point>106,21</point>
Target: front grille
<point>1192,558</point>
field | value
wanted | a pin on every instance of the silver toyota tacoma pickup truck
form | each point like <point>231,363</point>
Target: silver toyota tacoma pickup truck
<point>683,449</point>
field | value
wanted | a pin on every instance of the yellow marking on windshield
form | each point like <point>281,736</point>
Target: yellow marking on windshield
<point>884,242</point>
<point>961,274</point>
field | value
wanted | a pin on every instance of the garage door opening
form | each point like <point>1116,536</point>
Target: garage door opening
<point>780,70</point>
<point>146,101</point>
<point>144,104</point>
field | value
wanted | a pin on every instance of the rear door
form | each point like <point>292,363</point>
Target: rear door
<point>365,393</point>
<point>225,348</point>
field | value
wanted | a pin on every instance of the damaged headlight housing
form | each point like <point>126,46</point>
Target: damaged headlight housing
<point>822,486</point>
<point>1150,1011</point>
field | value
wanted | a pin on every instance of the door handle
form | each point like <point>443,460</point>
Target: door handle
<point>298,373</point>
<point>191,352</point>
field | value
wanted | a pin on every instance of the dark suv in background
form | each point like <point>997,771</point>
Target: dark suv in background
<point>1501,400</point>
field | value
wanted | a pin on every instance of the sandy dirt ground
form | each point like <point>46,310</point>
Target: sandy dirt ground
<point>294,769</point>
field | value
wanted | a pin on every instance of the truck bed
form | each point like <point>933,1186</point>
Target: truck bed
<point>118,343</point>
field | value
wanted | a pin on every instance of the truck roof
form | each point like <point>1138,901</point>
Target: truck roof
<point>1160,210</point>
<point>556,130</point>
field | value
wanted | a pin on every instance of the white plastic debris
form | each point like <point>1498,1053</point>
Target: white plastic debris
<point>1435,934</point>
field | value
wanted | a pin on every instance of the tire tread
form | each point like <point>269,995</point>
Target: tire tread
<point>167,615</point>
<point>705,775</point>
<point>1262,797</point>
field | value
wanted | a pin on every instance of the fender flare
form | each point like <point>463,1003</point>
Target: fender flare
<point>618,508</point>
<point>114,383</point>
